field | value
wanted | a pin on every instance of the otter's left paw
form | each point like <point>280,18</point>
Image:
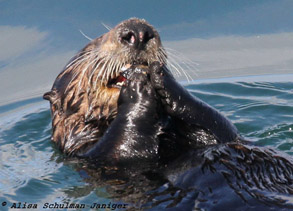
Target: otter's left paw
<point>156,75</point>
<point>172,95</point>
<point>165,85</point>
<point>160,75</point>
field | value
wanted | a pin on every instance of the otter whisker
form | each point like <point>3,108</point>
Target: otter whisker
<point>113,66</point>
<point>106,26</point>
<point>99,59</point>
<point>76,73</point>
<point>87,37</point>
<point>110,69</point>
<point>106,71</point>
<point>180,55</point>
<point>120,65</point>
<point>175,63</point>
<point>101,71</point>
<point>83,73</point>
<point>98,64</point>
<point>174,58</point>
<point>81,78</point>
<point>101,74</point>
<point>80,55</point>
<point>114,70</point>
<point>185,63</point>
<point>163,52</point>
<point>94,69</point>
<point>189,63</point>
<point>162,57</point>
<point>190,68</point>
<point>76,66</point>
<point>82,61</point>
<point>173,67</point>
<point>73,67</point>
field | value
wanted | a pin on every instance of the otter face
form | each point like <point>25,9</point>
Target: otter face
<point>133,41</point>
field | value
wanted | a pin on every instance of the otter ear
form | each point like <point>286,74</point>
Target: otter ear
<point>50,96</point>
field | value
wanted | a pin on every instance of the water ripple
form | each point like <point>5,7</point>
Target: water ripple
<point>31,169</point>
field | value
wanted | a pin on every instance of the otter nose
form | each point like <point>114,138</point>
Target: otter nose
<point>137,36</point>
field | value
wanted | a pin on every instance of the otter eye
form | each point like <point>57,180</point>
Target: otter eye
<point>129,37</point>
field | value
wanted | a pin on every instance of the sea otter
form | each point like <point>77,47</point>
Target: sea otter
<point>116,102</point>
<point>159,116</point>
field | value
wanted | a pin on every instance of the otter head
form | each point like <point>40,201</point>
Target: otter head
<point>84,96</point>
<point>133,41</point>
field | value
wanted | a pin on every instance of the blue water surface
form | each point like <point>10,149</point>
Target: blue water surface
<point>32,170</point>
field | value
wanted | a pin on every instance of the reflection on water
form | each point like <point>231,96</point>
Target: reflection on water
<point>32,170</point>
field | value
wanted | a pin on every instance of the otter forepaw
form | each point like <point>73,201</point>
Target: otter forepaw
<point>167,88</point>
<point>156,75</point>
<point>159,76</point>
<point>137,88</point>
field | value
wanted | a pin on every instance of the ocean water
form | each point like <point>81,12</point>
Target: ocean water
<point>32,171</point>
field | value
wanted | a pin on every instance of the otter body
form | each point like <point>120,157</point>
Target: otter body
<point>116,103</point>
<point>91,89</point>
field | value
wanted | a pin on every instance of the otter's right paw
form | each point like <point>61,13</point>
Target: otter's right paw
<point>137,88</point>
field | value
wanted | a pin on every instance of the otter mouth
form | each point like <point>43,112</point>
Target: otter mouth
<point>117,82</point>
<point>125,73</point>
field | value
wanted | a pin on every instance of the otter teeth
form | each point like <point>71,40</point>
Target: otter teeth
<point>120,83</point>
